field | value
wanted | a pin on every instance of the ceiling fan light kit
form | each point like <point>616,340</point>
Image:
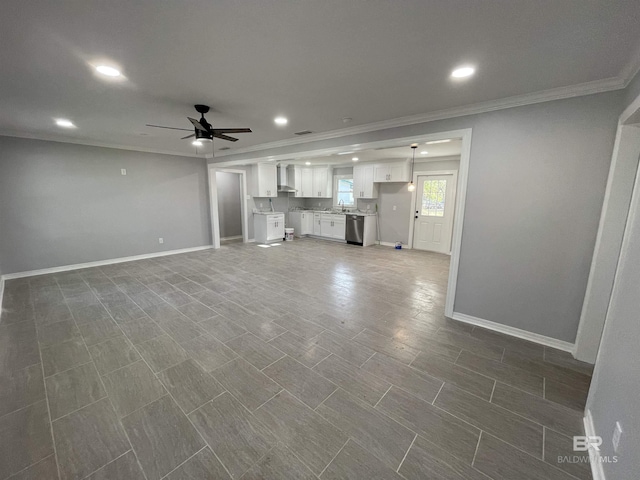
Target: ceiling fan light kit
<point>203,130</point>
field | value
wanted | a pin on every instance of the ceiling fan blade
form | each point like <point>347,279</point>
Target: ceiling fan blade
<point>197,124</point>
<point>170,128</point>
<point>188,136</point>
<point>231,130</point>
<point>224,137</point>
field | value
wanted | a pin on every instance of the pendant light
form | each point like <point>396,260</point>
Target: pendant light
<point>411,186</point>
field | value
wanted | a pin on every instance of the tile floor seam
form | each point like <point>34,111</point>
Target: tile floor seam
<point>206,445</point>
<point>473,460</point>
<point>46,395</point>
<point>384,394</point>
<point>495,382</point>
<point>108,463</point>
<point>433,402</point>
<point>406,453</point>
<point>334,457</point>
<point>275,361</point>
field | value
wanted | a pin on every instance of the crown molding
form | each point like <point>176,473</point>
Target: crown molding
<point>631,69</point>
<point>91,143</point>
<point>589,88</point>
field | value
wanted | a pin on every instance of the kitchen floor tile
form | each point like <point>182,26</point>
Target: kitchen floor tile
<point>255,351</point>
<point>307,434</point>
<point>514,429</point>
<point>63,356</point>
<point>378,433</point>
<point>123,467</point>
<point>21,388</point>
<point>162,437</point>
<point>162,352</point>
<point>299,380</point>
<point>348,350</point>
<point>203,465</point>
<point>353,379</point>
<point>246,383</point>
<point>389,347</point>
<point>355,463</point>
<point>412,380</point>
<point>235,435</point>
<point>221,328</point>
<point>279,464</point>
<point>88,439</point>
<point>208,352</point>
<point>450,433</point>
<point>112,354</point>
<point>73,389</point>
<point>306,352</point>
<point>25,438</point>
<point>132,387</point>
<point>189,385</point>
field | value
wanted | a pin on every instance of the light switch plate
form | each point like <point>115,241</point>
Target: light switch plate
<point>123,171</point>
<point>161,240</point>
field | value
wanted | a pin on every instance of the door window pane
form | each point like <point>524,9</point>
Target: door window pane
<point>433,195</point>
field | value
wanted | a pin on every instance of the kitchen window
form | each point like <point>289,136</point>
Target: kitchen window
<point>343,190</point>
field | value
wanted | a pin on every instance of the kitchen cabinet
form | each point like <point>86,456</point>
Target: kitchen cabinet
<point>391,172</point>
<point>363,184</point>
<point>301,222</point>
<point>312,182</point>
<point>317,224</point>
<point>333,226</point>
<point>268,227</point>
<point>264,179</point>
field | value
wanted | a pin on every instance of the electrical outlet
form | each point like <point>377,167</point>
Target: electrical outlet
<point>617,433</point>
<point>161,240</point>
<point>260,205</point>
<point>319,204</point>
<point>394,208</point>
<point>123,171</point>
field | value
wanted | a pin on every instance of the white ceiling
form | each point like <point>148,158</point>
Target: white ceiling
<point>314,62</point>
<point>435,152</point>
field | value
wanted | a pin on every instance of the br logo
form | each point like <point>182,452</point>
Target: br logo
<point>582,443</point>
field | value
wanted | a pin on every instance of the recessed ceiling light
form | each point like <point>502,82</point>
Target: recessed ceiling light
<point>424,152</point>
<point>108,71</point>
<point>63,122</point>
<point>281,120</point>
<point>463,72</point>
<point>345,153</point>
<point>438,141</point>
<point>355,159</point>
<point>196,143</point>
<point>307,163</point>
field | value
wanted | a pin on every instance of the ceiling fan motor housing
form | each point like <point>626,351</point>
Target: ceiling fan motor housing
<point>203,136</point>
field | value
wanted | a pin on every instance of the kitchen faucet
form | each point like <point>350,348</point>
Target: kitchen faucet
<point>342,204</point>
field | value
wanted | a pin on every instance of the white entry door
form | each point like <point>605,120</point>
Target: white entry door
<point>435,198</point>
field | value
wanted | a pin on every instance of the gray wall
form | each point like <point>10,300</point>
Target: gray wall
<point>229,209</point>
<point>63,204</point>
<point>536,184</point>
<point>615,389</point>
<point>394,224</point>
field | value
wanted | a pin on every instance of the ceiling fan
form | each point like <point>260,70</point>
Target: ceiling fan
<point>204,131</point>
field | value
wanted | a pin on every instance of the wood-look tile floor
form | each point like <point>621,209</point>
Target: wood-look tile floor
<point>311,359</point>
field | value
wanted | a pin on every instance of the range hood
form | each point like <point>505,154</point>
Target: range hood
<point>283,180</point>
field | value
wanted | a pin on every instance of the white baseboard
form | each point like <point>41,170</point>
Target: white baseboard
<point>514,332</point>
<point>597,471</point>
<point>235,237</point>
<point>251,240</point>
<point>101,263</point>
<point>393,244</point>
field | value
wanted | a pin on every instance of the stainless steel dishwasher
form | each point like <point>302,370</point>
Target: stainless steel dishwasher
<point>355,229</point>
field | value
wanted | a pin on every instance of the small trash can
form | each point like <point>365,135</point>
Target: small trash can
<point>288,234</point>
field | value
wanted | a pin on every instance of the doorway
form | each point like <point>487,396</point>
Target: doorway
<point>434,212</point>
<point>229,206</point>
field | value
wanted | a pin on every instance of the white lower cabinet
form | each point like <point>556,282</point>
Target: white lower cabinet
<point>317,224</point>
<point>333,226</point>
<point>301,222</point>
<point>268,228</point>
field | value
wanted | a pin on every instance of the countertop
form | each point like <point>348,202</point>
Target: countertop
<point>268,213</point>
<point>363,214</point>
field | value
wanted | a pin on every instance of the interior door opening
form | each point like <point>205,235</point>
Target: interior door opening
<point>229,194</point>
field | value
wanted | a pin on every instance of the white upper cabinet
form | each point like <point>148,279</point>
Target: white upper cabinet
<point>322,185</point>
<point>312,182</point>
<point>363,185</point>
<point>264,180</point>
<point>392,172</point>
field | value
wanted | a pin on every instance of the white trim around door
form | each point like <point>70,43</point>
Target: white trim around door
<point>213,202</point>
